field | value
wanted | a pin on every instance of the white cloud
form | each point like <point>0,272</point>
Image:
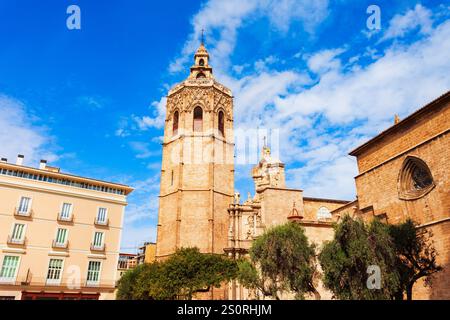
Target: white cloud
<point>140,207</point>
<point>134,236</point>
<point>403,79</point>
<point>156,121</point>
<point>264,64</point>
<point>141,213</point>
<point>325,60</point>
<point>92,102</point>
<point>142,149</point>
<point>418,18</point>
<point>333,180</point>
<point>226,17</point>
<point>19,133</point>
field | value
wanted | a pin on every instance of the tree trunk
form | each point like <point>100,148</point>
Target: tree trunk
<point>398,295</point>
<point>316,294</point>
<point>409,288</point>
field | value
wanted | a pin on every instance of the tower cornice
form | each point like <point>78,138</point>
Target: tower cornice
<point>201,83</point>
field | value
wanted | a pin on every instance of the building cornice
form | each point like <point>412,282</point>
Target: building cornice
<point>326,200</point>
<point>10,166</point>
<point>403,153</point>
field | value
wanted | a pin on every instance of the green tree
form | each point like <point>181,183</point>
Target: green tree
<point>127,283</point>
<point>355,247</point>
<point>281,260</point>
<point>181,276</point>
<point>191,272</point>
<point>416,256</point>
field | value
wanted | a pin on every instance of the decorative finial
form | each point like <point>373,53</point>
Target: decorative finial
<point>203,36</point>
<point>266,149</point>
<point>396,119</point>
<point>295,216</point>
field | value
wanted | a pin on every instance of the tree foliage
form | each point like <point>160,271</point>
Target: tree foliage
<point>127,283</point>
<point>416,256</point>
<point>355,247</point>
<point>282,259</point>
<point>184,274</point>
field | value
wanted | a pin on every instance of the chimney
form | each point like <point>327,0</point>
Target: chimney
<point>19,160</point>
<point>4,160</point>
<point>43,164</point>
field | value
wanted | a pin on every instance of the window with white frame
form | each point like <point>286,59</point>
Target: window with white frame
<point>9,268</point>
<point>101,215</point>
<point>54,272</point>
<point>323,213</point>
<point>66,211</point>
<point>18,232</point>
<point>93,274</point>
<point>24,205</point>
<point>61,236</point>
<point>98,239</point>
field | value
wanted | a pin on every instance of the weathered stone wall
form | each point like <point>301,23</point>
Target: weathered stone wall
<point>197,174</point>
<point>378,184</point>
<point>277,204</point>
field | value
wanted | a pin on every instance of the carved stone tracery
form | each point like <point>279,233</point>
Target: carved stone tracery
<point>187,98</point>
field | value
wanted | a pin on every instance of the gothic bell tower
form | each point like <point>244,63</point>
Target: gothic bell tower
<point>197,174</point>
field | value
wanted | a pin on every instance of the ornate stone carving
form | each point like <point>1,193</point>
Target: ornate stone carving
<point>224,102</point>
<point>258,221</point>
<point>174,102</point>
<point>230,232</point>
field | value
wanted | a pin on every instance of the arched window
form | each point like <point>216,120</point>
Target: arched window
<point>175,123</point>
<point>323,213</point>
<point>221,123</point>
<point>415,179</point>
<point>201,62</point>
<point>201,75</point>
<point>198,119</point>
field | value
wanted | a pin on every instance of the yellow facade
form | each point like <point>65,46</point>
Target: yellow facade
<point>37,257</point>
<point>150,252</point>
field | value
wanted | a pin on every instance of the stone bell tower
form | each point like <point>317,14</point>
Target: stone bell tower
<point>197,174</point>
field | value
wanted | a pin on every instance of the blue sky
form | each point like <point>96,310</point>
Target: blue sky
<point>92,100</point>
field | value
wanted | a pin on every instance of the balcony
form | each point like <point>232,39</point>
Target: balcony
<point>61,218</point>
<point>91,283</point>
<point>60,245</point>
<point>15,241</point>
<point>98,247</point>
<point>23,214</point>
<point>101,223</point>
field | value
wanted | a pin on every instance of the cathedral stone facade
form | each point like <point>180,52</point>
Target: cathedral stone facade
<point>403,172</point>
<point>197,176</point>
<point>274,204</point>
